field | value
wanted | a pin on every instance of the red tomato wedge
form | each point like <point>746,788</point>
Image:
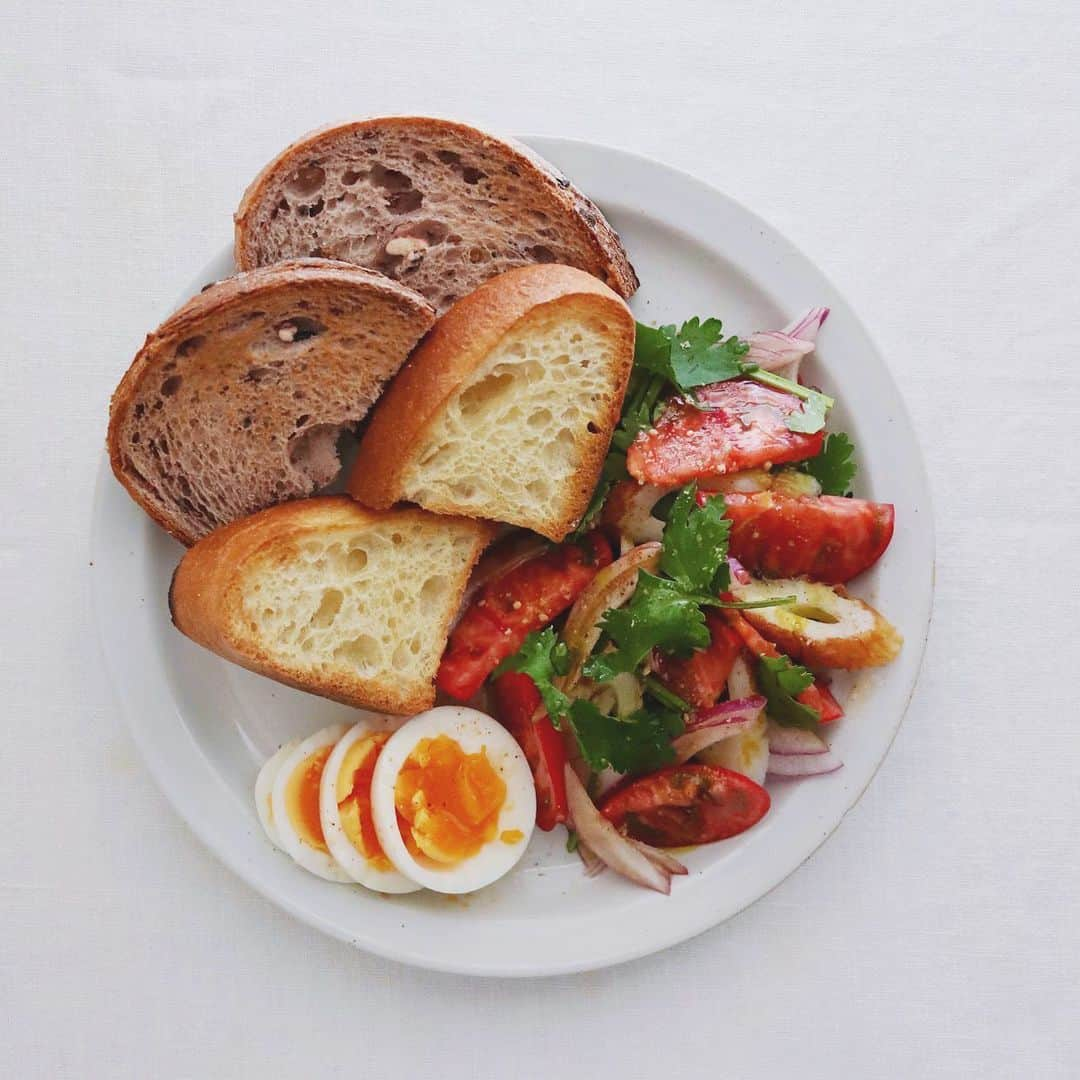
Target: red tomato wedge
<point>686,804</point>
<point>519,709</point>
<point>505,611</point>
<point>827,538</point>
<point>740,426</point>
<point>700,678</point>
<point>817,697</point>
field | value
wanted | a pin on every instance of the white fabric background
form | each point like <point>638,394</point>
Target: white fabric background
<point>927,156</point>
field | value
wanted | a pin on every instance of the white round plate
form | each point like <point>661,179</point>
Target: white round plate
<point>205,726</point>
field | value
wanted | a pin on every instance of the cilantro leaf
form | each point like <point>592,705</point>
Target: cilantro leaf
<point>637,743</point>
<point>631,744</point>
<point>695,544</point>
<point>781,680</point>
<point>542,657</point>
<point>660,615</point>
<point>811,417</point>
<point>695,355</point>
<point>833,468</point>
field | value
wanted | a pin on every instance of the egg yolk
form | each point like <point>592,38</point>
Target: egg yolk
<point>353,793</point>
<point>302,798</point>
<point>448,802</point>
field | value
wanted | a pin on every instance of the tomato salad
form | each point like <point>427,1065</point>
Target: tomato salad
<point>674,652</point>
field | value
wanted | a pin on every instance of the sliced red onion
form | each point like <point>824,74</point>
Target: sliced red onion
<point>805,328</point>
<point>739,572</point>
<point>606,842</point>
<point>792,741</point>
<point>611,588</point>
<point>807,325</point>
<point>660,858</point>
<point>727,712</point>
<point>594,865</point>
<point>795,765</point>
<point>693,742</point>
<point>775,350</point>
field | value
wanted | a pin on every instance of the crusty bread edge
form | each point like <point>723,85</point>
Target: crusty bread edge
<point>215,298</point>
<point>610,254</point>
<point>459,342</point>
<point>204,595</point>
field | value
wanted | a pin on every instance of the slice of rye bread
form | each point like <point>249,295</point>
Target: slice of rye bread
<point>331,598</point>
<point>237,400</point>
<point>436,204</point>
<point>506,409</point>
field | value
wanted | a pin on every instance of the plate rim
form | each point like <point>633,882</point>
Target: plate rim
<point>172,787</point>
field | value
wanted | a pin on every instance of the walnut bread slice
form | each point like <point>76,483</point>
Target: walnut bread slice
<point>506,409</point>
<point>436,204</point>
<point>236,401</point>
<point>331,598</point>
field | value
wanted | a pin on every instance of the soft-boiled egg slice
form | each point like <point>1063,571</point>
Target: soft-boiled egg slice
<point>294,801</point>
<point>264,785</point>
<point>453,800</point>
<point>345,806</point>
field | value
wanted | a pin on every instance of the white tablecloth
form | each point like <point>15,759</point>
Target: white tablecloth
<point>927,156</point>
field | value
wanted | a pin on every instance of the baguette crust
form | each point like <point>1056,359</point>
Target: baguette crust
<point>208,590</point>
<point>584,225</point>
<point>327,277</point>
<point>455,347</point>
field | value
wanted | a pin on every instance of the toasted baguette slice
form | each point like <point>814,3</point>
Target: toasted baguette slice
<point>506,409</point>
<point>438,205</point>
<point>236,401</point>
<point>330,598</point>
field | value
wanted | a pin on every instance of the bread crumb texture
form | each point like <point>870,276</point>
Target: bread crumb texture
<point>542,396</point>
<point>247,412</point>
<point>367,602</point>
<point>438,206</point>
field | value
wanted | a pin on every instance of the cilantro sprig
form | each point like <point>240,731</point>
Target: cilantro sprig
<point>631,744</point>
<point>781,681</point>
<point>695,546</point>
<point>660,615</point>
<point>833,468</point>
<point>696,354</point>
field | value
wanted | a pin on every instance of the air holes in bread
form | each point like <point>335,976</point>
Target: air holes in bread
<point>363,651</point>
<point>299,328</point>
<point>171,385</point>
<point>314,452</point>
<point>356,560</point>
<point>476,397</point>
<point>328,609</point>
<point>189,345</point>
<point>404,202</point>
<point>305,182</point>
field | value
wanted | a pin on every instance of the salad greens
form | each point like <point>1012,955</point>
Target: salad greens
<point>666,610</point>
<point>781,680</point>
<point>833,468</point>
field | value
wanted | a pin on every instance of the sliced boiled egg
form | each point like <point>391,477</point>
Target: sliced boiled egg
<point>294,802</point>
<point>264,785</point>
<point>345,807</point>
<point>453,800</point>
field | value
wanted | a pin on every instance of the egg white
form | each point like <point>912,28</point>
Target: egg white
<point>358,868</point>
<point>264,785</point>
<point>473,731</point>
<point>310,858</point>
